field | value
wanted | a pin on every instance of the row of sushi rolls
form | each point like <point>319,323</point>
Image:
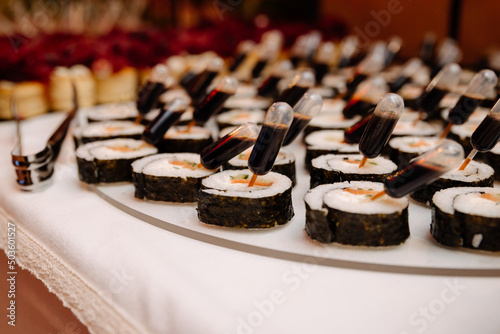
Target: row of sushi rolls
<point>377,134</point>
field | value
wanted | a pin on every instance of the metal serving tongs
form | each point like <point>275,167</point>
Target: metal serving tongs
<point>35,170</point>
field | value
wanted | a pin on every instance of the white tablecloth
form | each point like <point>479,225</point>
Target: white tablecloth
<point>121,275</point>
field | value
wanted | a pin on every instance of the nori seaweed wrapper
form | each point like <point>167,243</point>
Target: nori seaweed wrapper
<point>494,161</point>
<point>369,229</point>
<point>318,225</point>
<point>174,145</point>
<point>446,228</point>
<point>313,154</point>
<point>324,176</point>
<point>165,188</point>
<point>107,171</point>
<point>488,227</point>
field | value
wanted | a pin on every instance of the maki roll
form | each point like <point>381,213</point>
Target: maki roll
<point>112,112</point>
<point>329,121</point>
<point>331,168</point>
<point>411,95</point>
<point>467,217</point>
<point>340,213</point>
<point>327,142</point>
<point>247,103</point>
<point>284,164</point>
<point>407,148</point>
<point>110,160</point>
<point>178,139</point>
<point>240,116</point>
<point>225,199</point>
<point>423,129</point>
<point>476,174</point>
<point>107,130</point>
<point>170,177</point>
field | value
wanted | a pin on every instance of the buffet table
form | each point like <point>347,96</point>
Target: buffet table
<point>121,274</point>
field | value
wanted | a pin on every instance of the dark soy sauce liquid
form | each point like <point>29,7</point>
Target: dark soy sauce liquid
<point>266,148</point>
<point>269,87</point>
<point>295,60</point>
<point>463,109</point>
<point>320,70</point>
<point>237,61</point>
<point>188,80</point>
<point>377,134</point>
<point>410,179</point>
<point>292,95</point>
<point>257,69</point>
<point>211,105</point>
<point>357,107</point>
<point>353,84</point>
<point>298,124</point>
<point>487,134</point>
<point>399,82</point>
<point>199,90</point>
<point>158,127</point>
<point>430,101</point>
<point>214,155</point>
<point>148,96</point>
<point>343,62</point>
<point>353,134</point>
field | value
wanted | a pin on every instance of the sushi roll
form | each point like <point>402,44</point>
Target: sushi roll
<point>110,160</point>
<point>467,217</point>
<point>112,112</point>
<point>411,95</point>
<point>247,103</point>
<point>226,200</point>
<point>407,148</point>
<point>421,128</point>
<point>177,139</point>
<point>327,142</point>
<point>170,177</point>
<point>96,131</point>
<point>331,168</point>
<point>333,106</point>
<point>329,121</point>
<point>284,164</point>
<point>340,213</point>
<point>476,174</point>
<point>240,116</point>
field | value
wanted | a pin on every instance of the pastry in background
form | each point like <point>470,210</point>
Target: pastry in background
<point>61,91</point>
<point>30,99</point>
<point>112,87</point>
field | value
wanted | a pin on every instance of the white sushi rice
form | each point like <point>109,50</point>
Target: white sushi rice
<point>322,91</point>
<point>408,128</point>
<point>170,95</point>
<point>220,184</point>
<point>179,132</point>
<point>109,128</point>
<point>411,144</point>
<point>443,199</point>
<point>333,106</point>
<point>162,165</point>
<point>411,91</point>
<point>337,81</point>
<point>332,121</point>
<point>465,130</point>
<point>242,116</point>
<point>473,204</point>
<point>475,171</point>
<point>449,100</point>
<point>111,111</point>
<point>496,149</point>
<point>329,140</point>
<point>378,165</point>
<point>245,90</point>
<point>342,200</point>
<point>285,156</point>
<point>247,103</point>
<point>314,197</point>
<point>106,149</point>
